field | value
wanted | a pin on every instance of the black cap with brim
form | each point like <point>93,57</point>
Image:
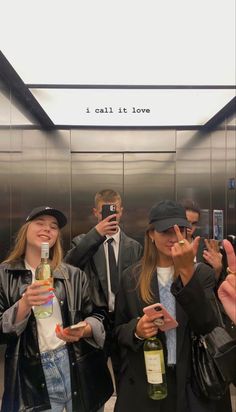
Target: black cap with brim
<point>163,225</point>
<point>47,210</point>
<point>166,214</point>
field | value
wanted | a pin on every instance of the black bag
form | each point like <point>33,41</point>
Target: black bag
<point>213,362</point>
<point>92,367</point>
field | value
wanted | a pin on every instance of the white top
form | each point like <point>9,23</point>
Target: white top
<point>165,274</point>
<point>115,245</point>
<point>47,337</point>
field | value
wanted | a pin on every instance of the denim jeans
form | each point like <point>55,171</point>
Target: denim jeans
<point>56,369</point>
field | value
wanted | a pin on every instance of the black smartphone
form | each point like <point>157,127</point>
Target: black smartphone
<point>108,210</point>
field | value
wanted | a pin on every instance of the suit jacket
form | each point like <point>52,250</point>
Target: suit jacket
<point>88,254</point>
<point>193,311</point>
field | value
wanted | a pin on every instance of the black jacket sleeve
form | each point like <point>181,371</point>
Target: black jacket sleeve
<point>197,299</point>
<point>84,247</point>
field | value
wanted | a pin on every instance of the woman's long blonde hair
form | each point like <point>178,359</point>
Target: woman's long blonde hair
<point>18,251</point>
<point>148,266</point>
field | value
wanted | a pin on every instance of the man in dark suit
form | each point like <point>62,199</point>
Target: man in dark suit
<point>91,252</point>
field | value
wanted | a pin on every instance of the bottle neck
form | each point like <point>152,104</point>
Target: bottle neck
<point>44,260</point>
<point>44,252</point>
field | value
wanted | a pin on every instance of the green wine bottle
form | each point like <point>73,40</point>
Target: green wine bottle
<point>44,272</point>
<point>155,368</point>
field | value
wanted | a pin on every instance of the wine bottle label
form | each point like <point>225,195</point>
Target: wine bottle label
<point>153,366</point>
<point>44,250</point>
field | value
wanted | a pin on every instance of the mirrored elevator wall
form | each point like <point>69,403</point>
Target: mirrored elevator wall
<point>65,168</point>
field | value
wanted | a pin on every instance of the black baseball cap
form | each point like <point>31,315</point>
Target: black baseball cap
<point>47,210</point>
<point>166,214</point>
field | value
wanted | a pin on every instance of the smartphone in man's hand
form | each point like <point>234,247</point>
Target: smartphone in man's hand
<point>163,319</point>
<point>108,210</point>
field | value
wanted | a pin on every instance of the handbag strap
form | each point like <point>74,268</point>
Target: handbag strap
<point>216,303</point>
<point>218,311</point>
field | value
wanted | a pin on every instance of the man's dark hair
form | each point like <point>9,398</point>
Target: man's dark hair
<point>189,204</point>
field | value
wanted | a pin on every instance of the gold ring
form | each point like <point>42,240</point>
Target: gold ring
<point>230,272</point>
<point>181,242</point>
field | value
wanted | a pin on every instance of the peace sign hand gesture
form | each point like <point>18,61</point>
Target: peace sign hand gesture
<point>183,254</point>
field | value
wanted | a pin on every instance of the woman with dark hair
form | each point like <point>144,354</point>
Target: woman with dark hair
<point>166,274</point>
<point>41,357</point>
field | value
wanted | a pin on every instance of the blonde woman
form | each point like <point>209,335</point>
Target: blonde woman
<point>41,354</point>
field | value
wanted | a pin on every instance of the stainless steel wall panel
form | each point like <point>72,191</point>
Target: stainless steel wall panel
<point>46,170</point>
<point>10,205</point>
<point>5,204</point>
<point>122,140</point>
<point>230,221</point>
<point>188,140</point>
<point>193,169</point>
<point>148,178</point>
<point>218,169</point>
<point>90,173</point>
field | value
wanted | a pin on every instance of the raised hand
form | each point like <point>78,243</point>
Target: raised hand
<point>213,256</point>
<point>231,258</point>
<point>227,290</point>
<point>107,226</point>
<point>183,253</point>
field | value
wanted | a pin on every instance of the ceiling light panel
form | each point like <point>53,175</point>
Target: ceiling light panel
<point>136,107</point>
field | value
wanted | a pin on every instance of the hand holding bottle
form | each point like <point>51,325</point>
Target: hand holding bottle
<point>38,293</point>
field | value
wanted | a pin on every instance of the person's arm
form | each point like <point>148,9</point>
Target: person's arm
<point>197,298</point>
<point>227,290</point>
<point>213,256</point>
<point>84,247</point>
<point>15,318</point>
<point>95,320</point>
<point>128,312</point>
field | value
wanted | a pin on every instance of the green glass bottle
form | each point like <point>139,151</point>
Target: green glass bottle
<point>44,272</point>
<point>155,368</point>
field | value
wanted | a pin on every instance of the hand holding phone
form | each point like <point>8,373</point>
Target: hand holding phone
<point>161,317</point>
<point>79,325</point>
<point>108,225</point>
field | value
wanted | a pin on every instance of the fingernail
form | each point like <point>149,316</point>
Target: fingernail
<point>57,328</point>
<point>49,297</point>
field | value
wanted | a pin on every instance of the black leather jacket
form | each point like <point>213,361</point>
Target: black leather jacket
<point>25,387</point>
